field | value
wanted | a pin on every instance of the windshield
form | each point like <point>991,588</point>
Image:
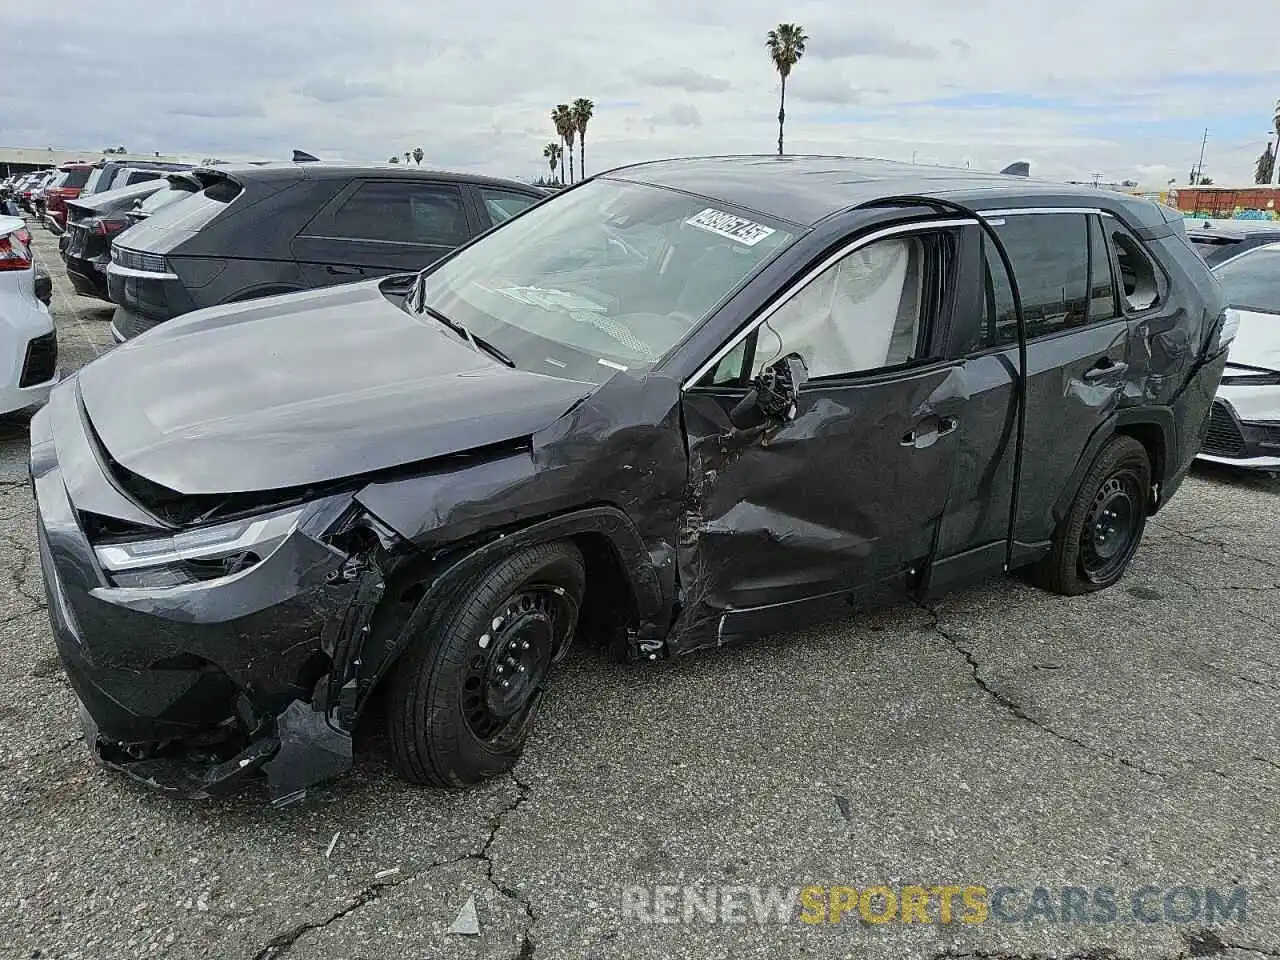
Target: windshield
<point>1252,280</point>
<point>609,276</point>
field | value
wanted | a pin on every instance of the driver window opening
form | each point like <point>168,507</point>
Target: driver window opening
<point>863,313</point>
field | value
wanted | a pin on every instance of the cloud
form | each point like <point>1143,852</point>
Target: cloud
<point>867,40</point>
<point>676,77</point>
<point>677,115</point>
<point>986,81</point>
<point>339,90</point>
<point>214,108</point>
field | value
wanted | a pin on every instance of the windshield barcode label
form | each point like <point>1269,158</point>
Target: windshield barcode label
<point>739,229</point>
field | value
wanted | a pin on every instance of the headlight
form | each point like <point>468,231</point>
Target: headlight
<point>221,550</point>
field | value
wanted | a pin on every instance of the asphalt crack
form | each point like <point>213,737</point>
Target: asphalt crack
<point>527,945</point>
<point>1016,710</point>
<point>281,944</point>
<point>1219,544</point>
<point>18,575</point>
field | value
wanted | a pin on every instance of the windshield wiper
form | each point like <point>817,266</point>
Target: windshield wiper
<point>471,338</point>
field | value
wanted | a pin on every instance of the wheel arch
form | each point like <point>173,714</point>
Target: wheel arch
<point>621,578</point>
<point>1153,427</point>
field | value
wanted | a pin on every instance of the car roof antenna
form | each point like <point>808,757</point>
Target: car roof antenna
<point>300,156</point>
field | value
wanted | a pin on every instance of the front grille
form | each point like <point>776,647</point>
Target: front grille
<point>41,362</point>
<point>138,260</point>
<point>1223,438</point>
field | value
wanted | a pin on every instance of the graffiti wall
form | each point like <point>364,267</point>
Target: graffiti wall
<point>1225,203</point>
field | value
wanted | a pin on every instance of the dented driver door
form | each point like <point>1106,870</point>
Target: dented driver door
<point>837,508</point>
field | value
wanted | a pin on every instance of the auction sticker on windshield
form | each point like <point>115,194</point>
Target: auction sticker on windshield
<point>739,229</point>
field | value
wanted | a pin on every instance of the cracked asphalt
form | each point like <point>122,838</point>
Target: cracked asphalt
<point>1003,737</point>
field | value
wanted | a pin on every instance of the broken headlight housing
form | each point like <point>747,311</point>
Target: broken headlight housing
<point>205,553</point>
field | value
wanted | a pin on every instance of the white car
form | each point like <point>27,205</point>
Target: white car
<point>28,341</point>
<point>1244,425</point>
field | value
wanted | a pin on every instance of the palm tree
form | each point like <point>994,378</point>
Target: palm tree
<point>562,117</point>
<point>581,110</point>
<point>563,120</point>
<point>418,155</point>
<point>786,47</point>
<point>554,154</point>
<point>407,156</point>
<point>1266,166</point>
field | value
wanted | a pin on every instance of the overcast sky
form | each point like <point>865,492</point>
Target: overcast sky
<point>1124,89</point>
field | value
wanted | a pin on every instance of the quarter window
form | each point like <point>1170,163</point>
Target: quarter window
<point>403,212</point>
<point>862,313</point>
<point>1139,282</point>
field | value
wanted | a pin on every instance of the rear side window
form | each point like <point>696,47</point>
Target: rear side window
<point>403,212</point>
<point>77,177</point>
<point>504,204</point>
<point>138,176</point>
<point>1050,256</point>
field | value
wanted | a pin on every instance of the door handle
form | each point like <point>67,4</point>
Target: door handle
<point>925,434</point>
<point>1104,369</point>
<point>344,271</point>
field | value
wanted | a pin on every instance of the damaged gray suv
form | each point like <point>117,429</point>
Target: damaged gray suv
<point>679,404</point>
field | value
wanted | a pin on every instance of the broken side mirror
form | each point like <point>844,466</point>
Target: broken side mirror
<point>773,394</point>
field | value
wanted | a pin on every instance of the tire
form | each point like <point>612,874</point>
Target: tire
<point>450,721</point>
<point>1111,505</point>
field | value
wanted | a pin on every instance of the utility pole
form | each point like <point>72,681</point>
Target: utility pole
<point>1275,164</point>
<point>1200,166</point>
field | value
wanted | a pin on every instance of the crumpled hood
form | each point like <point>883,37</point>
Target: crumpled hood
<point>305,388</point>
<point>1257,344</point>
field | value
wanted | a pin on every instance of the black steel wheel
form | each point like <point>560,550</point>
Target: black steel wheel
<point>507,675</point>
<point>466,691</point>
<point>1103,528</point>
<point>1111,527</point>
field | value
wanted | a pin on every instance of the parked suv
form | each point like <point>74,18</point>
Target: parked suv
<point>91,223</point>
<point>675,405</point>
<point>67,187</point>
<point>1217,243</point>
<point>114,174</point>
<point>257,230</point>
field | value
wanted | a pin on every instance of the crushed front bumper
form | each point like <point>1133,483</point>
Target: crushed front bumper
<point>199,687</point>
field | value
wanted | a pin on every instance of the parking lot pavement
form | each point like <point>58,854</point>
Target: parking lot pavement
<point>1004,738</point>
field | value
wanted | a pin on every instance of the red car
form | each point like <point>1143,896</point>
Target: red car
<point>77,175</point>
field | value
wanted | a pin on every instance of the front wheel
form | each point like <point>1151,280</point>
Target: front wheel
<point>1098,537</point>
<point>465,693</point>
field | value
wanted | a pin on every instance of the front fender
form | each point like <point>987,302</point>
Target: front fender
<point>652,591</point>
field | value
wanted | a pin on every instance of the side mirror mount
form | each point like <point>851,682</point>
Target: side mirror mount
<point>773,394</point>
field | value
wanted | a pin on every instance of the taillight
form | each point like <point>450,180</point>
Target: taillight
<point>14,253</point>
<point>106,226</point>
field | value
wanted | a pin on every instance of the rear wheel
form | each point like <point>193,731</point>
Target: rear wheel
<point>1098,537</point>
<point>464,695</point>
